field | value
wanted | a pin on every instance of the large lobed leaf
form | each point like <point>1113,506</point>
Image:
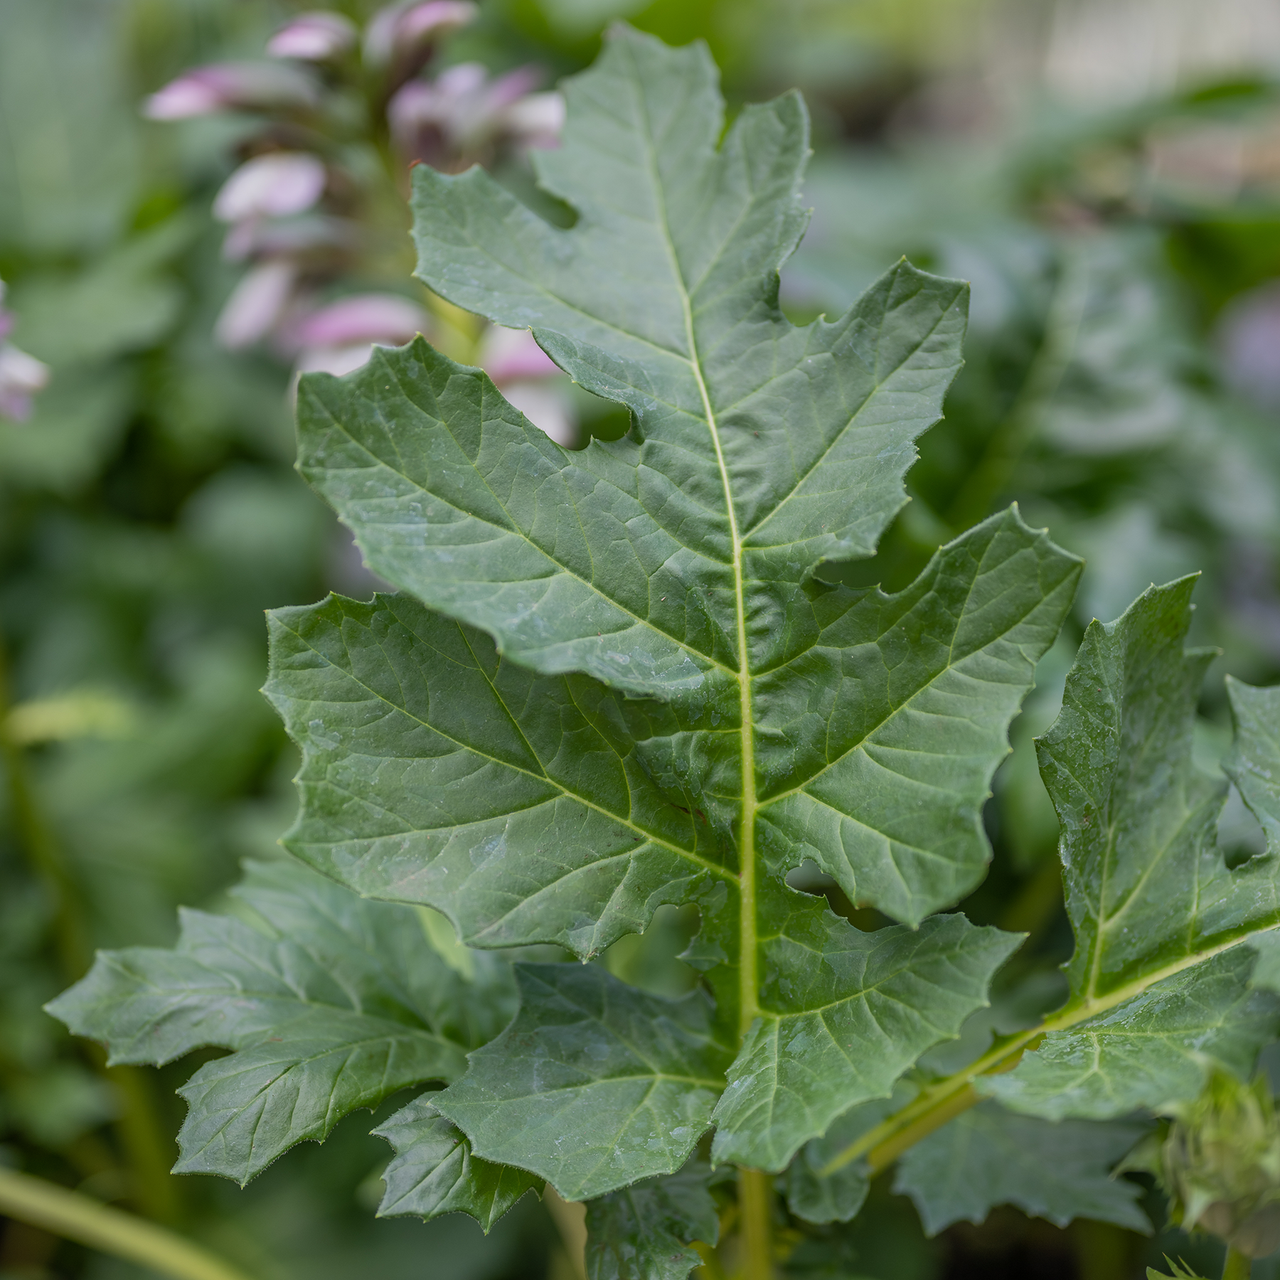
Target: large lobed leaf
<point>329,1003</point>
<point>1161,985</point>
<point>612,681</point>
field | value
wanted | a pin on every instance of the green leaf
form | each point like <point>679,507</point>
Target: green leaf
<point>989,1157</point>
<point>1160,985</point>
<point>643,1233</point>
<point>877,744</point>
<point>821,1197</point>
<point>1176,1272</point>
<point>330,1003</point>
<point>843,1015</point>
<point>617,678</point>
<point>663,295</point>
<point>594,1085</point>
<point>434,1171</point>
<point>1253,763</point>
<point>435,771</point>
<point>760,449</point>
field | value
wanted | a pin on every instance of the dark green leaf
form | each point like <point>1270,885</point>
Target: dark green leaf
<point>989,1157</point>
<point>643,1232</point>
<point>594,1085</point>
<point>329,1002</point>
<point>434,1171</point>
<point>1160,988</point>
<point>434,770</point>
<point>843,1015</point>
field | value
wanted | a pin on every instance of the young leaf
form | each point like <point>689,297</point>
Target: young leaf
<point>330,1003</point>
<point>1160,987</point>
<point>434,1171</point>
<point>989,1156</point>
<point>594,1085</point>
<point>642,1233</point>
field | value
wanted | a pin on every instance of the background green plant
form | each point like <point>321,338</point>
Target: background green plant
<point>150,513</point>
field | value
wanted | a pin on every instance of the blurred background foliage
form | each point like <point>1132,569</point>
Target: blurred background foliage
<point>1105,172</point>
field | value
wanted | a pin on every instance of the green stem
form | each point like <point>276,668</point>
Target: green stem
<point>76,1217</point>
<point>139,1130</point>
<point>1237,1266</point>
<point>947,1098</point>
<point>755,1207</point>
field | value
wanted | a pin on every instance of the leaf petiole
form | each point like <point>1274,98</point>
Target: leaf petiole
<point>947,1098</point>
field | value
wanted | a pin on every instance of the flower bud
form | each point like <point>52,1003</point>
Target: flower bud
<point>340,337</point>
<point>512,355</point>
<point>313,37</point>
<point>256,304</point>
<point>221,86</point>
<point>274,185</point>
<point>1220,1164</point>
<point>21,376</point>
<point>404,33</point>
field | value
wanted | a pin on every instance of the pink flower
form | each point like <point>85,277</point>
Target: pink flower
<point>256,304</point>
<point>313,37</point>
<point>273,185</point>
<point>536,120</point>
<point>510,355</point>
<point>404,32</point>
<point>341,336</point>
<point>385,318</point>
<point>310,235</point>
<point>254,86</point>
<point>21,376</point>
<point>463,110</point>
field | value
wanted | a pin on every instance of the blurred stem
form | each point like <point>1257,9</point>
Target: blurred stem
<point>755,1206</point>
<point>1237,1266</point>
<point>1103,1251</point>
<point>75,1217</point>
<point>1037,900</point>
<point>571,1222</point>
<point>139,1131</point>
<point>991,478</point>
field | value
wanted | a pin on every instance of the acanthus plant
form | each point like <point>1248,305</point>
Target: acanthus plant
<point>626,677</point>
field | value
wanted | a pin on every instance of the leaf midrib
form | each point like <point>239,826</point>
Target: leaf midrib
<point>748,981</point>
